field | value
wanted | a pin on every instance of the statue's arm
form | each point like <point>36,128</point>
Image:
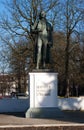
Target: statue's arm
<point>36,27</point>
<point>33,26</point>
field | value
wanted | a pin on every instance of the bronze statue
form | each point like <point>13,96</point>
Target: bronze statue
<point>43,29</point>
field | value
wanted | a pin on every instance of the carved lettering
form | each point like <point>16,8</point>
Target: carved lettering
<point>43,90</point>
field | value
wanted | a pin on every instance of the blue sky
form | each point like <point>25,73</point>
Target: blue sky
<point>1,6</point>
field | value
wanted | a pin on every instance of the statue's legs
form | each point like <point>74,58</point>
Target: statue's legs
<point>44,55</point>
<point>39,52</point>
<point>45,42</point>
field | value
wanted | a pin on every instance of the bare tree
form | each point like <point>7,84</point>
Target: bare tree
<point>71,19</point>
<point>16,23</point>
<point>19,63</point>
<point>23,13</point>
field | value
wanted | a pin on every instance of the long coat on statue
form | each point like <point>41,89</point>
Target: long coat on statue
<point>49,45</point>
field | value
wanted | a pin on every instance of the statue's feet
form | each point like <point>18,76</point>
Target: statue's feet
<point>37,67</point>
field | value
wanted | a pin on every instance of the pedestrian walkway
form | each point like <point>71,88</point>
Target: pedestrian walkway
<point>73,120</point>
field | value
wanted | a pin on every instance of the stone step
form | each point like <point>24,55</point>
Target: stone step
<point>49,113</point>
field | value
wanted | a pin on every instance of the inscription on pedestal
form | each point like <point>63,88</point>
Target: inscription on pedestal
<point>43,90</point>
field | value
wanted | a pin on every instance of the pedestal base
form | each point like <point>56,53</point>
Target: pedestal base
<point>50,113</point>
<point>43,95</point>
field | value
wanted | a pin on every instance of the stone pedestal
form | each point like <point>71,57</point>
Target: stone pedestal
<point>43,94</point>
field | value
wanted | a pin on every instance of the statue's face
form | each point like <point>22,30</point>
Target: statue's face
<point>43,14</point>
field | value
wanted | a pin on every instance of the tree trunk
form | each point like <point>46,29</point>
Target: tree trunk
<point>67,66</point>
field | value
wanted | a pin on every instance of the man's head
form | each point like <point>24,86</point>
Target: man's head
<point>42,14</point>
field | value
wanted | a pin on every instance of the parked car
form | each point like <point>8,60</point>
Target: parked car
<point>18,95</point>
<point>21,94</point>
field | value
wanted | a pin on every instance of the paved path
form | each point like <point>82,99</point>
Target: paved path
<point>12,120</point>
<point>76,117</point>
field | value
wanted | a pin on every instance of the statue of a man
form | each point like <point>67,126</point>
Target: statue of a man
<point>44,39</point>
